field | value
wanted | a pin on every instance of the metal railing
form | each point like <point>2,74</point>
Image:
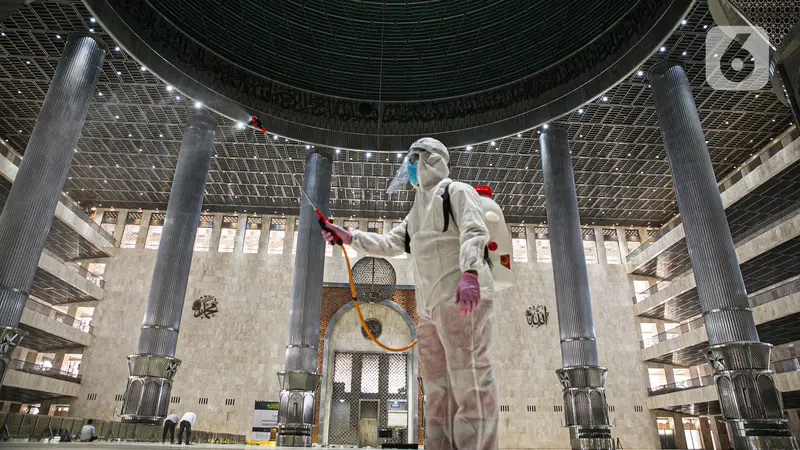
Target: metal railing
<point>768,223</point>
<point>84,325</point>
<point>786,365</point>
<point>673,332</point>
<point>753,232</point>
<point>71,204</point>
<point>781,366</point>
<point>77,268</point>
<point>767,152</point>
<point>780,290</point>
<point>691,383</point>
<point>39,427</point>
<point>39,369</point>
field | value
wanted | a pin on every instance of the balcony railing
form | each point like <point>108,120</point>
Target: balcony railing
<point>786,365</point>
<point>12,156</point>
<point>39,369</point>
<point>692,383</point>
<point>767,152</point>
<point>781,366</point>
<point>84,325</point>
<point>754,231</point>
<point>781,290</point>
<point>39,427</point>
<point>673,332</point>
<point>80,270</point>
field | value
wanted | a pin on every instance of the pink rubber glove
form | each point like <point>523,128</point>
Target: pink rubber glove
<point>468,293</point>
<point>333,231</point>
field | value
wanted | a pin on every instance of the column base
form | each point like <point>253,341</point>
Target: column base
<point>761,434</point>
<point>751,405</point>
<point>765,443</point>
<point>147,395</point>
<point>293,438</point>
<point>9,339</point>
<point>297,408</point>
<point>582,438</point>
<point>585,407</point>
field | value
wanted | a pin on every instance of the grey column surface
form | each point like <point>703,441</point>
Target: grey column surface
<point>144,229</point>
<point>28,212</point>
<point>216,232</point>
<point>600,242</point>
<point>153,367</point>
<point>119,228</point>
<point>751,404</point>
<point>299,379</point>
<point>582,379</point>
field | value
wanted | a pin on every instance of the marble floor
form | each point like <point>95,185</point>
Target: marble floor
<point>127,446</point>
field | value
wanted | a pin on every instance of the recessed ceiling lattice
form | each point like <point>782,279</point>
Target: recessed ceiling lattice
<point>129,146</point>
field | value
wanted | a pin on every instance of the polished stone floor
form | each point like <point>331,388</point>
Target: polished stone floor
<point>117,446</point>
<point>129,446</point>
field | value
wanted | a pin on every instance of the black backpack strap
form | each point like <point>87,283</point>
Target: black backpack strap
<point>408,240</point>
<point>446,209</point>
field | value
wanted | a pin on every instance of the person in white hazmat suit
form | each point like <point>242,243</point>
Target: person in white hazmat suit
<point>454,298</point>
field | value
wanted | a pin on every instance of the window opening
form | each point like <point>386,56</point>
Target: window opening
<point>202,240</point>
<point>154,231</point>
<point>227,235</point>
<point>519,243</point>
<point>130,233</point>
<point>109,221</point>
<point>543,246</point>
<point>252,234</point>
<point>277,235</point>
<point>611,244</point>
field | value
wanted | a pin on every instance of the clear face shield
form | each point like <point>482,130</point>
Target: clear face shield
<point>402,177</point>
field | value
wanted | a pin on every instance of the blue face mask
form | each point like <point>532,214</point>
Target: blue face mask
<point>412,172</point>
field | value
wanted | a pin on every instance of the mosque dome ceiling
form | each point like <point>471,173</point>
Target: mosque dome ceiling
<point>374,75</point>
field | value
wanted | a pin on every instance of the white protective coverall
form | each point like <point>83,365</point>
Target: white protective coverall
<point>461,407</point>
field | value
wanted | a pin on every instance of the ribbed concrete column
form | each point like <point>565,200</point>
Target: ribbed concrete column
<point>153,367</point>
<point>300,378</point>
<point>750,403</point>
<point>582,379</point>
<point>28,212</point>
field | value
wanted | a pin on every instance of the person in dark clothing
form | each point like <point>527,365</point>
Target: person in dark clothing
<point>169,427</point>
<point>187,421</point>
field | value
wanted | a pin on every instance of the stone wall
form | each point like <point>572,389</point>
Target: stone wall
<point>236,354</point>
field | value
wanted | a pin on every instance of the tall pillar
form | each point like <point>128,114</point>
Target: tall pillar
<point>144,229</point>
<point>751,405</point>
<point>28,212</point>
<point>152,369</point>
<point>582,379</point>
<point>623,245</point>
<point>299,379</point>
<point>216,232</point>
<point>241,229</point>
<point>600,242</point>
<point>680,431</point>
<point>122,215</point>
<point>530,237</point>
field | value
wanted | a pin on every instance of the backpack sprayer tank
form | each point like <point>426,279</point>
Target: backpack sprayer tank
<point>500,247</point>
